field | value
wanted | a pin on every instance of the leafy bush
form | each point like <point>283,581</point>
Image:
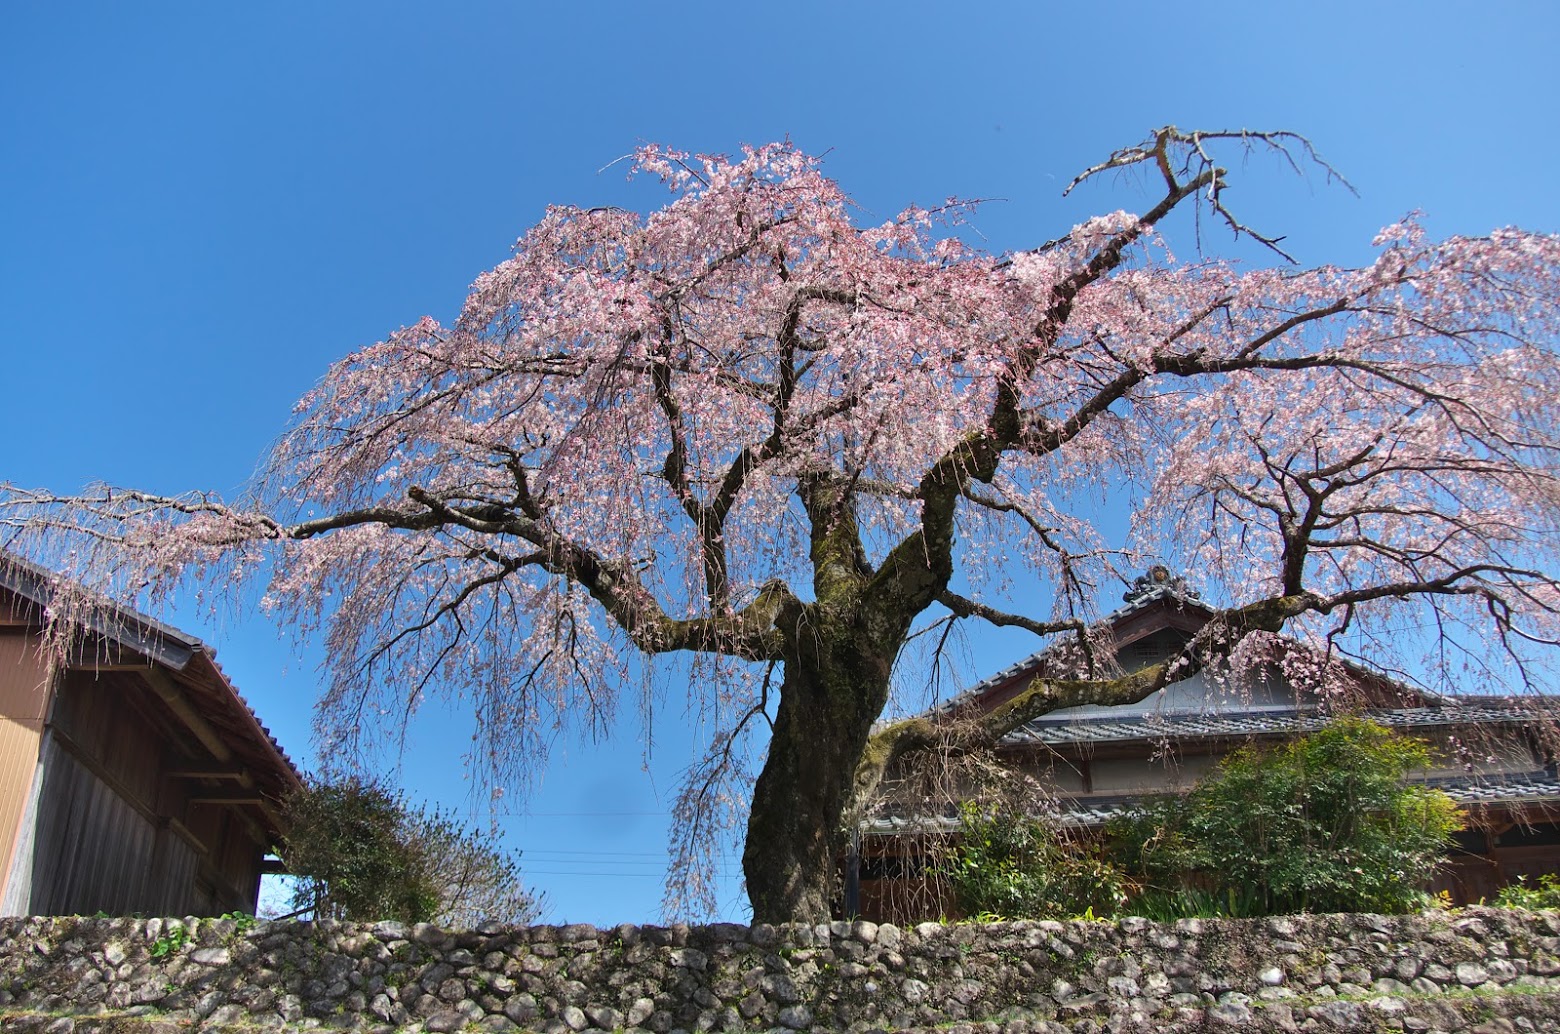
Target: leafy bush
<point>361,852</point>
<point>1323,822</point>
<point>1521,895</point>
<point>1012,865</point>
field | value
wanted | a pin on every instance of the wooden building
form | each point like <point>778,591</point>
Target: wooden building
<point>1495,757</point>
<point>133,777</point>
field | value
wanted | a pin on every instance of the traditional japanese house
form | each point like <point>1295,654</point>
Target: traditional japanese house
<point>133,777</point>
<point>1495,757</point>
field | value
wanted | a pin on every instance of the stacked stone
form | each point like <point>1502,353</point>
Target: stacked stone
<point>1307,972</point>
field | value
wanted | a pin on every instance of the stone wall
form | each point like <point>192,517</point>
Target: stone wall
<point>1482,970</point>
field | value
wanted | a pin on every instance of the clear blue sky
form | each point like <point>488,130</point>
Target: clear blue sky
<point>203,204</point>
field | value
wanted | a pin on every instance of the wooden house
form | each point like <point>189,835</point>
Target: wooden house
<point>133,777</point>
<point>1495,757</point>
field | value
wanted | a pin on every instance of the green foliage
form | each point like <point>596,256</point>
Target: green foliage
<point>362,852</point>
<point>242,922</point>
<point>1015,866</point>
<point>1521,895</point>
<point>169,943</point>
<point>1320,823</point>
<point>1165,904</point>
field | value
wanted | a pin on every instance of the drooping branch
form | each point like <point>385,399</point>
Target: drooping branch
<point>1073,583</point>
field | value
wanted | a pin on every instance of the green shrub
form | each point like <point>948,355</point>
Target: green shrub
<point>1320,823</point>
<point>1010,865</point>
<point>1521,895</point>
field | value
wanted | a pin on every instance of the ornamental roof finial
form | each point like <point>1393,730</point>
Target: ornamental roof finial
<point>1158,581</point>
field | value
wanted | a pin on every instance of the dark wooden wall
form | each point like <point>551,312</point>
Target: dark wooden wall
<point>115,831</point>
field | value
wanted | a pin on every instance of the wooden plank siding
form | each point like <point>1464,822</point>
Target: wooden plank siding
<point>24,701</point>
<point>99,715</point>
<point>94,850</point>
<point>20,743</point>
<point>90,816</point>
<point>23,677</point>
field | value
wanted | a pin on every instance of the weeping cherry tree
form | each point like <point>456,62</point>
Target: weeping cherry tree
<point>745,431</point>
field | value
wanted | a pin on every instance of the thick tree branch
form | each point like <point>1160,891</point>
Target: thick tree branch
<point>918,568</point>
<point>969,729</point>
<point>966,608</point>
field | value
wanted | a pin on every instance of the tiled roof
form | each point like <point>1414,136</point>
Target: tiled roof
<point>1465,711</point>
<point>1098,725</point>
<point>1138,601</point>
<point>120,624</point>
<point>1471,790</point>
<point>1468,791</point>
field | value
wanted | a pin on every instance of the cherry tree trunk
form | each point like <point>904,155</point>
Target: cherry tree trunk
<point>834,688</point>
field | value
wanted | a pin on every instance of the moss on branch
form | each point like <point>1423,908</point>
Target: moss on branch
<point>963,729</point>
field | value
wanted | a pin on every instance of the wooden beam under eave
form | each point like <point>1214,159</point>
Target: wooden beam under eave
<point>226,800</point>
<point>193,842</point>
<point>238,802</point>
<point>171,695</point>
<point>237,772</point>
<point>277,819</point>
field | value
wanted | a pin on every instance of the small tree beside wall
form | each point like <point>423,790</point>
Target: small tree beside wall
<point>361,852</point>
